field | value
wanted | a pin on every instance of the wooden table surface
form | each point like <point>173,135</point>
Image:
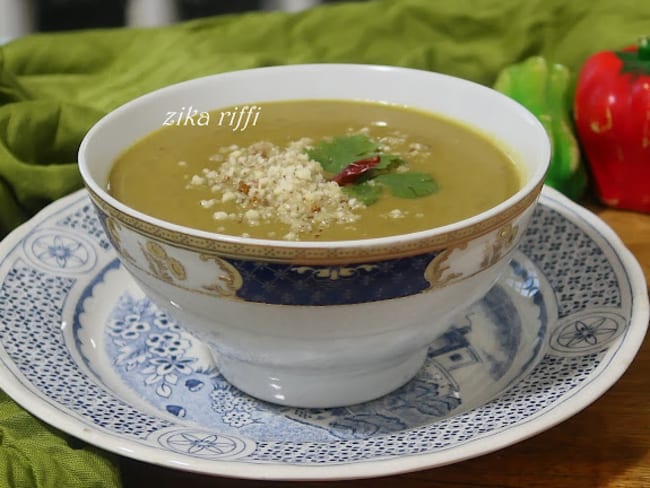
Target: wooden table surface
<point>607,445</point>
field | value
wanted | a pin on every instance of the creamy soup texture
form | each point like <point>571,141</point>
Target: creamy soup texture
<point>266,180</point>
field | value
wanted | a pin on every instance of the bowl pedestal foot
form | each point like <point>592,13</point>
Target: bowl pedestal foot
<point>325,387</point>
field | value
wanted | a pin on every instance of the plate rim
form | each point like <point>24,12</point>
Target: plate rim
<point>573,402</point>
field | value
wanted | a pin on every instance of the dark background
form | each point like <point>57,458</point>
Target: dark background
<point>54,15</point>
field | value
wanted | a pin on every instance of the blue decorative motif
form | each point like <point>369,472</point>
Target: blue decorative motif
<point>152,354</point>
<point>452,349</point>
<point>205,445</point>
<point>501,311</point>
<point>587,332</point>
<point>431,395</point>
<point>582,333</point>
<point>61,251</point>
<point>85,220</point>
<point>149,344</point>
<point>559,247</point>
<point>546,385</point>
<point>177,410</point>
<point>194,385</point>
<point>32,303</point>
<point>235,408</point>
<point>331,285</point>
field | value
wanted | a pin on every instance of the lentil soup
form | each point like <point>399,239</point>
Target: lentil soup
<point>274,179</point>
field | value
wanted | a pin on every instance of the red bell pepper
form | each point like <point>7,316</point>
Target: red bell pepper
<point>612,116</point>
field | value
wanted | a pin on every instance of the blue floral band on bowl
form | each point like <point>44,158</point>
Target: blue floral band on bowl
<point>237,276</point>
<point>332,285</point>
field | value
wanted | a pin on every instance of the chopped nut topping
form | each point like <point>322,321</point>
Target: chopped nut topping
<point>268,182</point>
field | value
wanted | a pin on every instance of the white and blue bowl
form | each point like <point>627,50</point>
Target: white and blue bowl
<point>319,324</point>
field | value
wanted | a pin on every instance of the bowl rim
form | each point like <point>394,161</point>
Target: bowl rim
<point>353,250</point>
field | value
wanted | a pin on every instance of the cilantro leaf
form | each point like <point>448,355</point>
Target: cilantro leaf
<point>366,192</point>
<point>389,161</point>
<point>336,153</point>
<point>408,185</point>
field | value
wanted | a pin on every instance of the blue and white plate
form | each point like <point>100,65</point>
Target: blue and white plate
<point>82,348</point>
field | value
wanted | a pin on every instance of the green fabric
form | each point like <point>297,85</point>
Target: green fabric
<point>35,455</point>
<point>53,87</point>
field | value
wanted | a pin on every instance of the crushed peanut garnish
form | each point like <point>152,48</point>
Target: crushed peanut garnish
<point>265,183</point>
<point>269,183</point>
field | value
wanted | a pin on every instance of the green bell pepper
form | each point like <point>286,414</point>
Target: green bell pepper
<point>545,90</point>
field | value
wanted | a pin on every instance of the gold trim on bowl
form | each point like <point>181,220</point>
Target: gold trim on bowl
<point>317,255</point>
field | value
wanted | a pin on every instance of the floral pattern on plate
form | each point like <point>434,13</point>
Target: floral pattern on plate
<point>484,351</point>
<point>83,348</point>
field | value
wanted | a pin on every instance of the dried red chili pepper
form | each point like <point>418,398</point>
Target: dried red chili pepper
<point>354,170</point>
<point>612,115</point>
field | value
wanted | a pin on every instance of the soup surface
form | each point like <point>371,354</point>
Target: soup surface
<point>313,170</point>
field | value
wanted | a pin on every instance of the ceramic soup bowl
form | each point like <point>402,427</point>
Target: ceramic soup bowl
<point>318,324</point>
